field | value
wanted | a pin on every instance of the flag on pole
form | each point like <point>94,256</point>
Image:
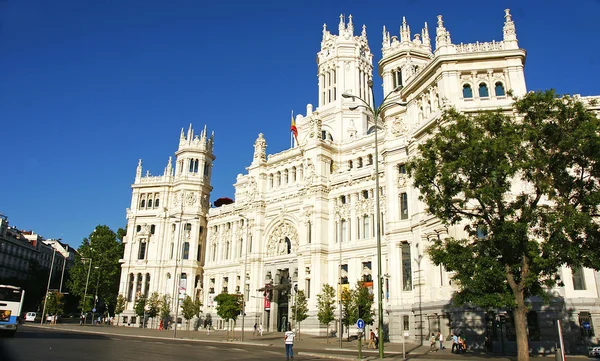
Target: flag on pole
<point>293,128</point>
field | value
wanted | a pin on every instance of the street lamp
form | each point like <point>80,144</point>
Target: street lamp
<point>48,287</point>
<point>247,221</point>
<point>376,112</point>
<point>86,287</point>
<point>96,295</point>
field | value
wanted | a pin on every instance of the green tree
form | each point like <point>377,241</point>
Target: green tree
<point>153,306</point>
<point>190,309</point>
<point>54,303</point>
<point>363,303</point>
<point>103,248</point>
<point>348,314</point>
<point>525,187</point>
<point>119,307</point>
<point>326,306</point>
<point>140,309</point>
<point>165,309</point>
<point>229,307</point>
<point>300,309</point>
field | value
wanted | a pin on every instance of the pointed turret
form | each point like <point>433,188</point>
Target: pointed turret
<point>190,133</point>
<point>350,27</point>
<point>425,36</point>
<point>138,171</point>
<point>325,32</point>
<point>386,38</point>
<point>404,31</point>
<point>342,24</point>
<point>363,34</point>
<point>169,168</point>
<point>510,33</point>
<point>442,38</point>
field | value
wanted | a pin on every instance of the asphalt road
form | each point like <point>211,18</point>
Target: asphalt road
<point>35,344</point>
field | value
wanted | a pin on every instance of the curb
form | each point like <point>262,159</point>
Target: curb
<point>151,337</point>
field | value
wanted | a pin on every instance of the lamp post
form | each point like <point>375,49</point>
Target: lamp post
<point>86,287</point>
<point>376,112</point>
<point>96,295</point>
<point>48,287</point>
<point>341,288</point>
<point>244,275</point>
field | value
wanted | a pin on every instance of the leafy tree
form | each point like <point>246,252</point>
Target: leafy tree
<point>525,187</point>
<point>300,309</point>
<point>119,307</point>
<point>165,309</point>
<point>104,248</point>
<point>54,303</point>
<point>326,306</point>
<point>190,309</point>
<point>347,312</point>
<point>228,307</point>
<point>363,304</point>
<point>153,306</point>
<point>140,309</point>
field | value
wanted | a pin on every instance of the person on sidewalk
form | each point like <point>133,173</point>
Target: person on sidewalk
<point>260,330</point>
<point>440,337</point>
<point>255,329</point>
<point>288,338</point>
<point>371,340</point>
<point>455,344</point>
<point>432,343</point>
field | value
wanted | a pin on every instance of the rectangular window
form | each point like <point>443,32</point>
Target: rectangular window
<point>344,230</point>
<point>406,268</point>
<point>309,231</point>
<point>578,279</point>
<point>405,323</point>
<point>344,274</point>
<point>401,169</point>
<point>307,287</point>
<point>142,250</point>
<point>366,227</point>
<point>403,206</point>
<point>199,254</point>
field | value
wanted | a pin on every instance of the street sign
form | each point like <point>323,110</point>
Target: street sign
<point>93,310</point>
<point>586,325</point>
<point>360,324</point>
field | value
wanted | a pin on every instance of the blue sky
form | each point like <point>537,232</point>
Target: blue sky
<point>89,87</point>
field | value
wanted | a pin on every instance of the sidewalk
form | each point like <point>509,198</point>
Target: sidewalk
<point>305,345</point>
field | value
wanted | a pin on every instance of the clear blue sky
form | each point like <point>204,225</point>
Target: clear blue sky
<point>89,87</point>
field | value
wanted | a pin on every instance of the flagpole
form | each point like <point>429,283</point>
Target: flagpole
<point>292,133</point>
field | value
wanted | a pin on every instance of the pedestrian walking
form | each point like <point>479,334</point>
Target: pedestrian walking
<point>455,343</point>
<point>371,340</point>
<point>432,342</point>
<point>260,329</point>
<point>441,339</point>
<point>81,319</point>
<point>377,338</point>
<point>288,338</point>
<point>255,328</point>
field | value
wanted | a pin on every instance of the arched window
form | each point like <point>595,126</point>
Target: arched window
<point>350,164</point>
<point>288,243</point>
<point>293,175</point>
<point>191,166</point>
<point>196,166</point>
<point>143,203</point>
<point>370,159</point>
<point>483,90</point>
<point>172,248</point>
<point>270,180</point>
<point>130,289</point>
<point>206,168</point>
<point>279,179</point>
<point>149,203</point>
<point>467,91</point>
<point>138,285</point>
<point>147,286</point>
<point>186,250</point>
<point>157,203</point>
<point>199,254</point>
<point>499,89</point>
<point>360,162</point>
<point>325,135</point>
<point>152,229</point>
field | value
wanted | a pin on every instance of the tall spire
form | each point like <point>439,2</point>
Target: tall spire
<point>386,38</point>
<point>425,36</point>
<point>364,31</point>
<point>350,25</point>
<point>510,33</point>
<point>442,35</point>
<point>138,171</point>
<point>169,168</point>
<point>404,31</point>
<point>342,24</point>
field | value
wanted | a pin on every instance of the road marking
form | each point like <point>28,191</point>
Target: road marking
<point>237,349</point>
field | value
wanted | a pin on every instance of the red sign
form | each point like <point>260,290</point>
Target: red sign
<point>267,297</point>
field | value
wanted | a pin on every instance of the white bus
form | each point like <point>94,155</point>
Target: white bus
<point>11,303</point>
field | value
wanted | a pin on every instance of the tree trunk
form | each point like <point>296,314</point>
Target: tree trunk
<point>520,311</point>
<point>520,314</point>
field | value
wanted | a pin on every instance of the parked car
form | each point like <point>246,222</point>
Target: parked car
<point>594,351</point>
<point>52,318</point>
<point>30,316</point>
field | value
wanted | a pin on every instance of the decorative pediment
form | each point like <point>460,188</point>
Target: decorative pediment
<point>283,240</point>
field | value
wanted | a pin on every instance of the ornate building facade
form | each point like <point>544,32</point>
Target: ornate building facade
<point>307,216</point>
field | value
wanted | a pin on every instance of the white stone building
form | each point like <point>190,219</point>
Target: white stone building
<point>301,215</point>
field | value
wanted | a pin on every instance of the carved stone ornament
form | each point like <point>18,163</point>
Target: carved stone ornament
<point>191,199</point>
<point>260,148</point>
<point>402,180</point>
<point>282,240</point>
<point>252,189</point>
<point>399,127</point>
